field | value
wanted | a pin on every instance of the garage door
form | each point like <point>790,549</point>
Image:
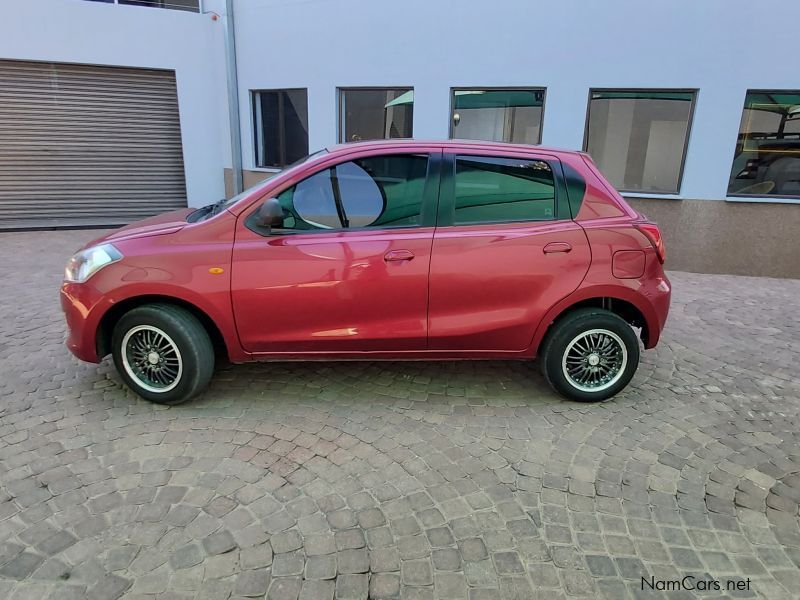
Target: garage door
<point>85,145</point>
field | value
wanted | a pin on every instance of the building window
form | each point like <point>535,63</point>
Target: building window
<point>638,138</point>
<point>502,115</point>
<point>375,113</point>
<point>281,126</point>
<point>492,190</point>
<point>186,5</point>
<point>767,157</point>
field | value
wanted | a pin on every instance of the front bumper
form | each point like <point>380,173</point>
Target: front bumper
<point>81,305</point>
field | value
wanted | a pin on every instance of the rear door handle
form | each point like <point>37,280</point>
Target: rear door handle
<point>398,255</point>
<point>553,247</point>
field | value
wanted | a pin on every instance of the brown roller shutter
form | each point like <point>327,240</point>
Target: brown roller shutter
<point>84,145</point>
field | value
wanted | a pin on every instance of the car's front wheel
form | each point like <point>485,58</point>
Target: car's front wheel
<point>163,353</point>
<point>590,355</point>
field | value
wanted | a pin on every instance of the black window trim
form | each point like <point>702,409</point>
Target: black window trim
<point>694,91</point>
<point>428,206</point>
<point>496,88</point>
<point>340,90</point>
<point>446,212</point>
<point>761,198</point>
<point>258,146</point>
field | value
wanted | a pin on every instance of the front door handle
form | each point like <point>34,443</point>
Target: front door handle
<point>553,247</point>
<point>398,255</point>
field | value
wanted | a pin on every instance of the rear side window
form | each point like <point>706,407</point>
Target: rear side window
<point>376,191</point>
<point>491,190</point>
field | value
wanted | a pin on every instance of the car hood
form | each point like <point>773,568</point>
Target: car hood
<point>169,222</point>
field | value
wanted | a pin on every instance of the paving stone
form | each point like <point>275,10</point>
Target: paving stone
<point>440,536</point>
<point>384,559</point>
<point>317,590</point>
<point>320,567</point>
<point>446,559</point>
<point>472,549</point>
<point>352,587</point>
<point>449,586</point>
<point>416,572</point>
<point>507,563</point>
<point>352,561</point>
<point>286,541</point>
<point>57,543</point>
<point>256,556</point>
<point>348,539</point>
<point>384,585</point>
<point>601,566</point>
<point>186,557</point>
<point>371,517</point>
<point>251,584</point>
<point>219,543</point>
<point>342,519</point>
<point>21,565</point>
<point>284,588</point>
<point>285,565</point>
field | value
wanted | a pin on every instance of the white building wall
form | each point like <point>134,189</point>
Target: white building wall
<point>721,47</point>
<point>191,44</point>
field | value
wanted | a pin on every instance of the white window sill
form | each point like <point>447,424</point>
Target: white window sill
<point>651,195</point>
<point>763,199</point>
<point>272,170</point>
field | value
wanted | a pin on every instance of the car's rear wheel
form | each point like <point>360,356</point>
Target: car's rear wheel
<point>163,353</point>
<point>590,355</point>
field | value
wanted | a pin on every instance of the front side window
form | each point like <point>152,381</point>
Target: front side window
<point>638,138</point>
<point>375,191</point>
<point>489,189</point>
<point>767,157</point>
<point>280,119</point>
<point>375,113</point>
<point>510,115</point>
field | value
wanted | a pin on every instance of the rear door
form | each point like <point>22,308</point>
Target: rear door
<point>506,249</point>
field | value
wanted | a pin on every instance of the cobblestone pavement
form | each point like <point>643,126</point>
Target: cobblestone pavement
<point>411,480</point>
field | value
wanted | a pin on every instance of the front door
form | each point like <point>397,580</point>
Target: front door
<point>348,272</point>
<point>502,255</point>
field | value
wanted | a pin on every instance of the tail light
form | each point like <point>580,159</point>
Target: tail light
<point>653,234</point>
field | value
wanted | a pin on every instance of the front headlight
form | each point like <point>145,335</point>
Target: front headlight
<point>88,262</point>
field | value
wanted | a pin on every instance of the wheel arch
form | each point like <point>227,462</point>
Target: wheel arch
<point>626,308</point>
<point>112,316</point>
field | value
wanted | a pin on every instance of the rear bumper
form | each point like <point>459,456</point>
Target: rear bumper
<point>657,292</point>
<point>81,306</point>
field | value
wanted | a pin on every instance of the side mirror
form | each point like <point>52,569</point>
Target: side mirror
<point>270,214</point>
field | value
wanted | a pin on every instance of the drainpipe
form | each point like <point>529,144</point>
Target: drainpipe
<point>233,99</point>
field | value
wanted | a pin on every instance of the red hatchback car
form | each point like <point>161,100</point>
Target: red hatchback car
<point>382,250</point>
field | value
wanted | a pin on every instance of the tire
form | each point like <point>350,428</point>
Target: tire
<point>172,337</point>
<point>589,355</point>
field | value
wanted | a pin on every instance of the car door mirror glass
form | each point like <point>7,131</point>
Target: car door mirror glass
<point>270,214</point>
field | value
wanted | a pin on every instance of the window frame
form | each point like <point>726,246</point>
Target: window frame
<point>775,198</point>
<point>496,88</point>
<point>428,205</point>
<point>447,196</point>
<point>258,132</point>
<point>340,104</point>
<point>694,91</point>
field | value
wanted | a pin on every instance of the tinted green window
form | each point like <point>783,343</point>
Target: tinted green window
<point>377,191</point>
<point>489,189</point>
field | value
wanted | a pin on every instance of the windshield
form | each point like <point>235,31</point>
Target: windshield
<point>250,190</point>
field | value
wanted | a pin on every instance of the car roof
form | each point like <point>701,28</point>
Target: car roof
<point>457,143</point>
